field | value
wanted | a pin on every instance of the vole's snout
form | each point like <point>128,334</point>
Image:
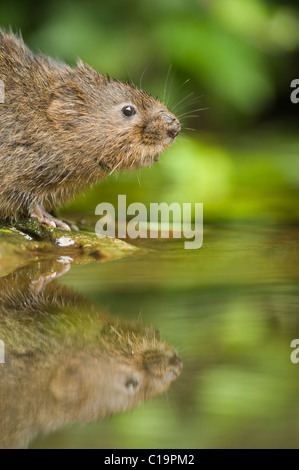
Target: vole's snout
<point>175,362</point>
<point>174,131</point>
<point>166,364</point>
<point>173,125</point>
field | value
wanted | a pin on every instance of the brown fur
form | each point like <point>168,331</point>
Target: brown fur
<point>68,361</point>
<point>62,128</point>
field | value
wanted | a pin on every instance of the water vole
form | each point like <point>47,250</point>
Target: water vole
<point>65,127</point>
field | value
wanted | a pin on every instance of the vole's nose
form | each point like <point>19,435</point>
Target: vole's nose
<point>166,363</point>
<point>173,133</point>
<point>175,362</point>
<point>172,125</point>
<point>174,129</point>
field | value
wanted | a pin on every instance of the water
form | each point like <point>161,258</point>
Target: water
<point>92,352</point>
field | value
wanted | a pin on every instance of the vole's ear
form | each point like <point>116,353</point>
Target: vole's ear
<point>67,105</point>
<point>90,73</point>
<point>85,67</point>
<point>69,386</point>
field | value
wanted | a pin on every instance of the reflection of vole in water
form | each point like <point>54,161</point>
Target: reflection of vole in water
<point>64,127</point>
<point>66,361</point>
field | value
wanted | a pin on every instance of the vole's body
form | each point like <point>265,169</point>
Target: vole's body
<point>63,128</point>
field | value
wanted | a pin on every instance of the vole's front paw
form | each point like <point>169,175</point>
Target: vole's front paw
<point>41,281</point>
<point>41,215</point>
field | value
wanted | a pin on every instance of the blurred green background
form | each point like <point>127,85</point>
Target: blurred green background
<point>234,59</point>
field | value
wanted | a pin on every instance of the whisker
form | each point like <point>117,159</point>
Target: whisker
<point>166,82</point>
<point>130,77</point>
<point>192,116</point>
<point>138,178</point>
<point>186,81</point>
<point>169,89</point>
<point>112,171</point>
<point>182,100</point>
<point>140,315</point>
<point>185,106</point>
<point>193,111</point>
<point>142,75</point>
<point>186,102</point>
<point>181,138</point>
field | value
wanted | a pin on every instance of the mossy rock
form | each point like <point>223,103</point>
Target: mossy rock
<point>26,241</point>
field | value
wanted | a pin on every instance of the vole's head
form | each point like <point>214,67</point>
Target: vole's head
<point>124,127</point>
<point>142,127</point>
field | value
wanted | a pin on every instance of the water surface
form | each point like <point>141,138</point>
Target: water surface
<point>229,311</point>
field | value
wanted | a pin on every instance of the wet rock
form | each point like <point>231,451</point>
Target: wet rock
<point>26,241</point>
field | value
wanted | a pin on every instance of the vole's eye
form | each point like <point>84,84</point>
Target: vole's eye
<point>128,111</point>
